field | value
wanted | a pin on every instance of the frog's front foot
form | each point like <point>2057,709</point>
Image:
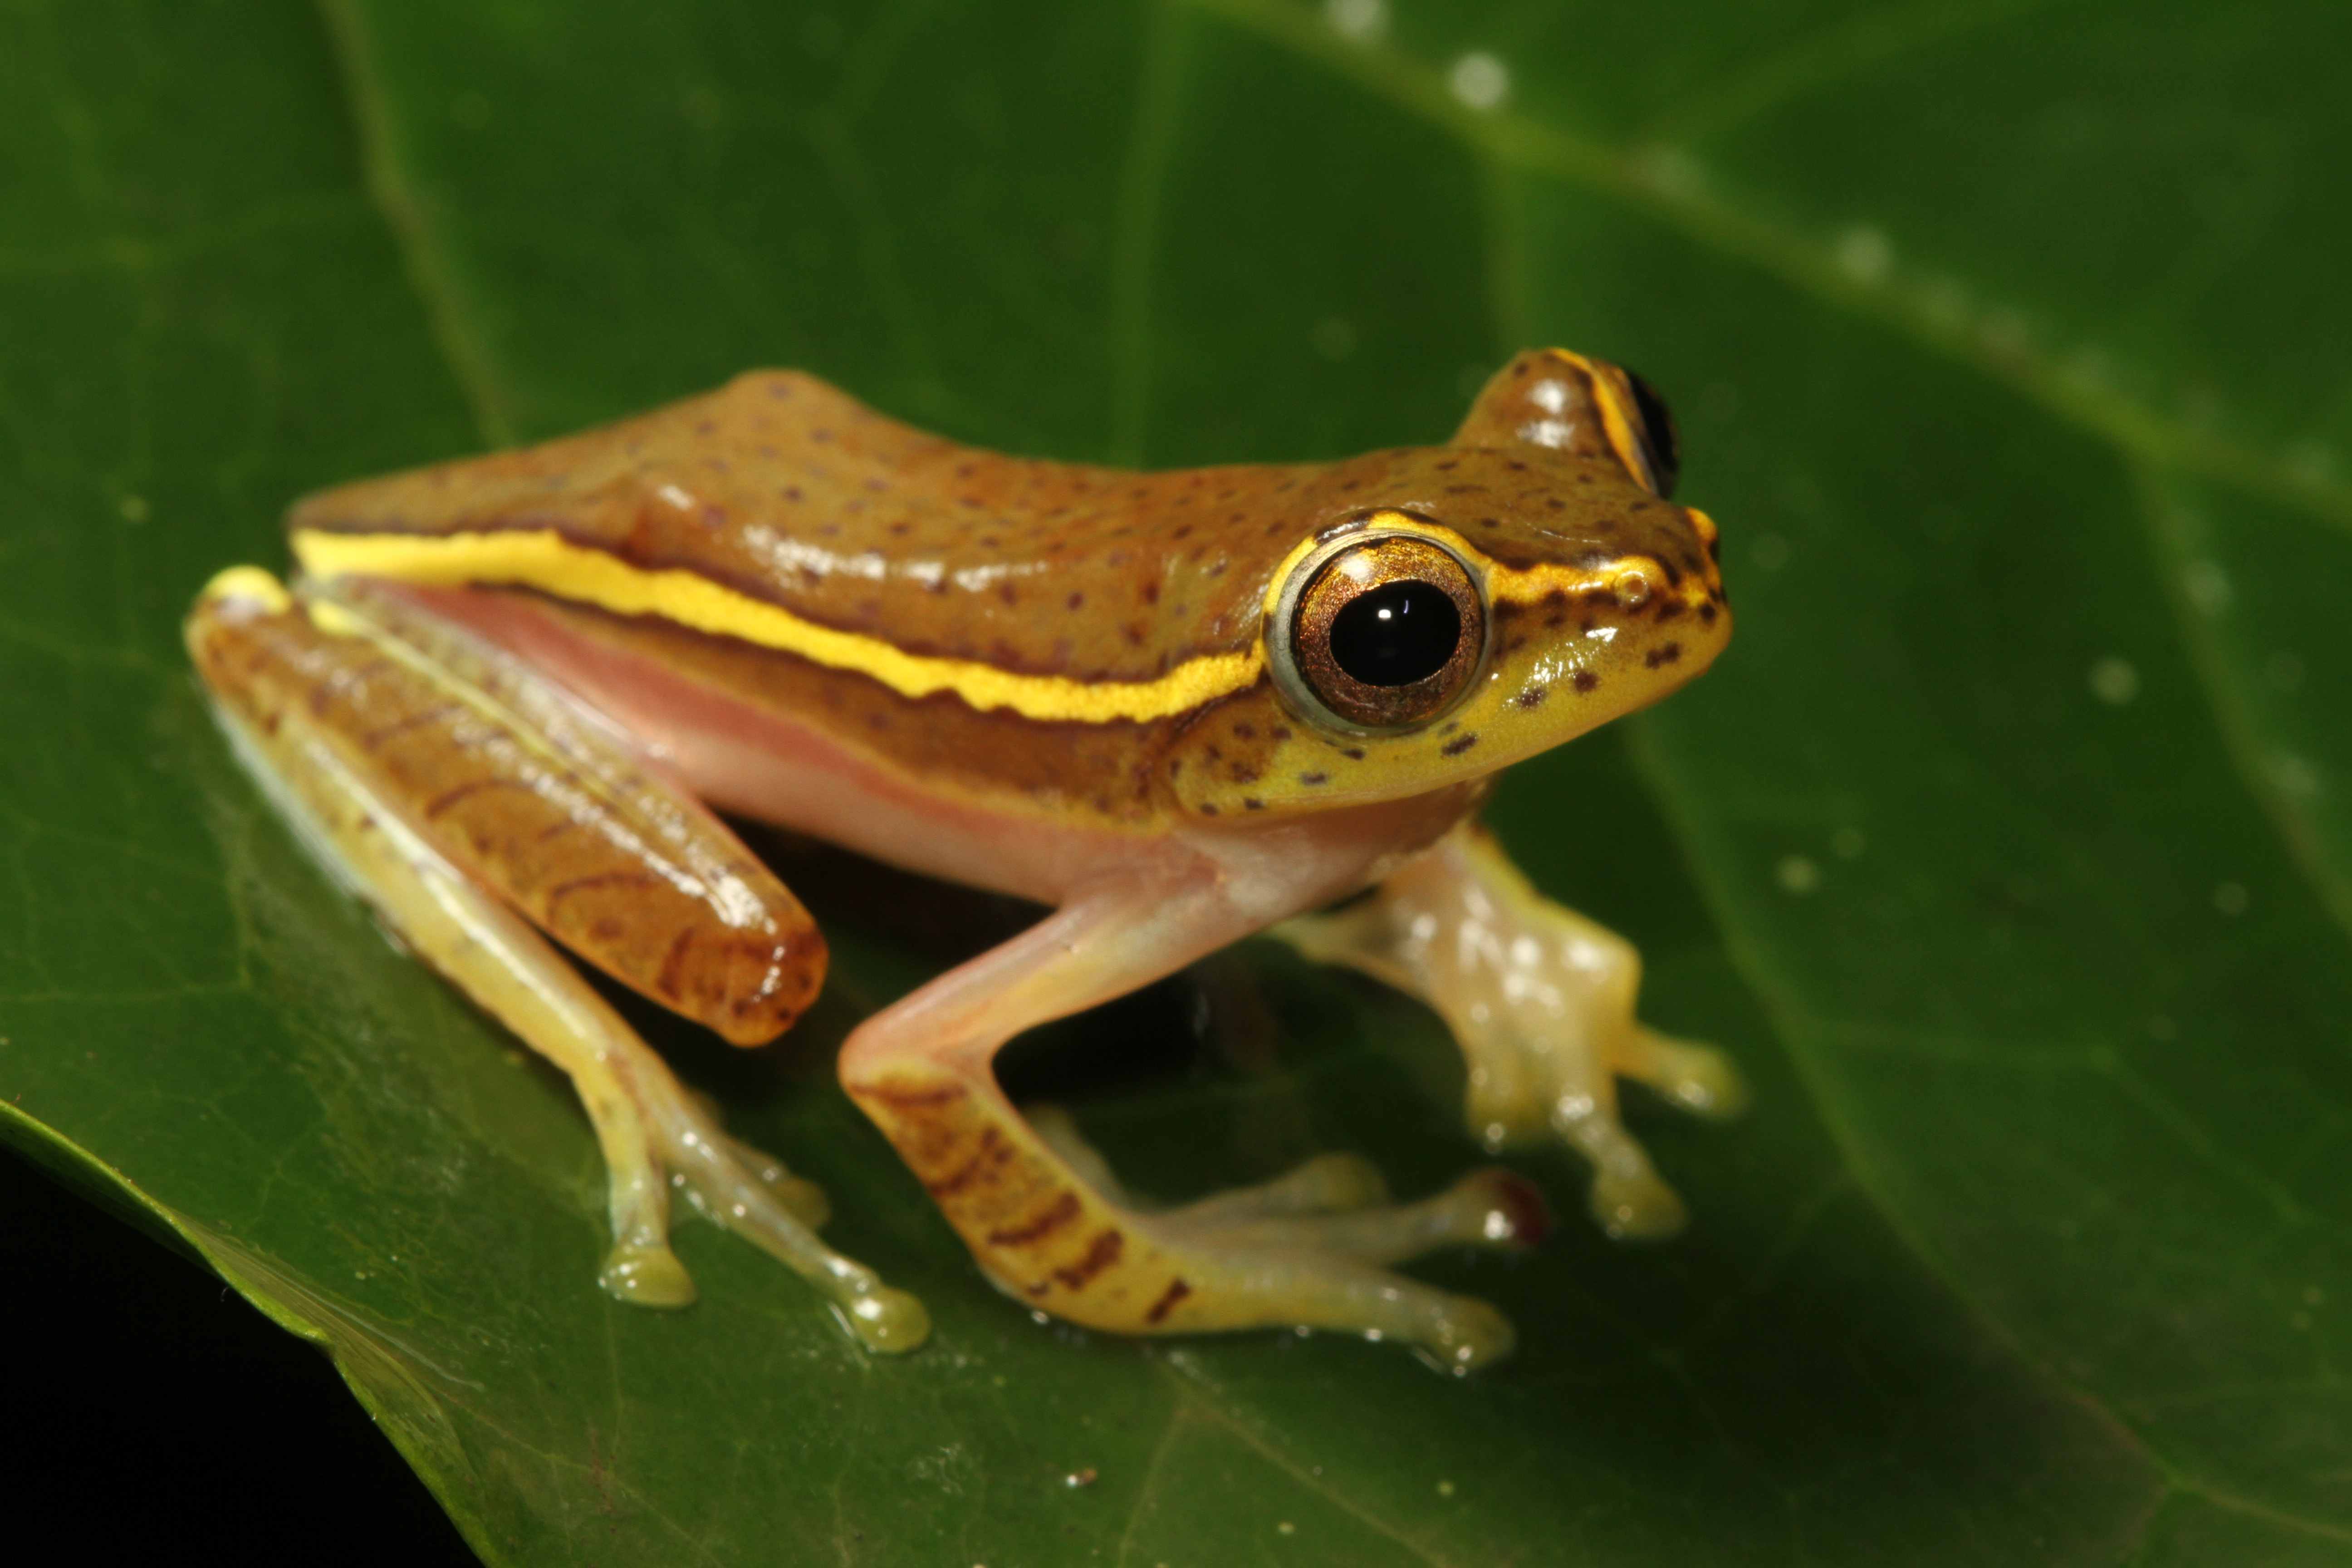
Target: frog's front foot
<point>1541,1000</point>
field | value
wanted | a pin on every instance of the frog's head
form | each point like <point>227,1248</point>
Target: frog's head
<point>1452,609</point>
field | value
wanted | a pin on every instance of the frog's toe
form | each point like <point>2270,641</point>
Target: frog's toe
<point>646,1276</point>
<point>1699,1078</point>
<point>886,1318</point>
<point>1637,1205</point>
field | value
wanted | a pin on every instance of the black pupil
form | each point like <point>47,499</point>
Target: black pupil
<point>1396,634</point>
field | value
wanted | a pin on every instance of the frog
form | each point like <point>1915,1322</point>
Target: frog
<point>511,701</point>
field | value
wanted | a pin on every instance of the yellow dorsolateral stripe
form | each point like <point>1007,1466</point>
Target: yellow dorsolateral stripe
<point>545,560</point>
<point>1504,585</point>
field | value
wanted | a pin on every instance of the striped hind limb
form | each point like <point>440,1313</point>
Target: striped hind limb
<point>1050,1224</point>
<point>282,675</point>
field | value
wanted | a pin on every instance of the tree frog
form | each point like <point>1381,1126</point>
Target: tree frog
<point>501,698</point>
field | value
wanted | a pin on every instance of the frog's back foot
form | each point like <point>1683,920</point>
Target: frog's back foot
<point>264,660</point>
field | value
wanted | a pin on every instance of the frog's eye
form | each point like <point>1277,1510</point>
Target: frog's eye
<point>1663,449</point>
<point>1378,633</point>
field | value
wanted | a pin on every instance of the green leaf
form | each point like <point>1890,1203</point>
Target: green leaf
<point>2009,846</point>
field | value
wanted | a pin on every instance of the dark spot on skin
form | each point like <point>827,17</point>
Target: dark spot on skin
<point>1314,778</point>
<point>1252,804</point>
<point>1517,467</point>
<point>1450,725</point>
<point>1101,1253</point>
<point>1183,533</point>
<point>1706,613</point>
<point>1244,773</point>
<point>1449,465</point>
<point>1584,680</point>
<point>1213,753</point>
<point>1245,731</point>
<point>1061,1211</point>
<point>991,1154</point>
<point>1533,697</point>
<point>1151,593</point>
<point>1279,732</point>
<point>1665,654</point>
<point>1457,747</point>
<point>1008,592</point>
<point>1074,601</point>
<point>1177,1290</point>
<point>792,493</point>
<point>1353,753</point>
<point>1175,767</point>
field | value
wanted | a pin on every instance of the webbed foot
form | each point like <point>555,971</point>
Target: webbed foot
<point>1541,1000</point>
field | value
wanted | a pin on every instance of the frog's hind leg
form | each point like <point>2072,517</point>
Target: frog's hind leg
<point>1541,1000</point>
<point>284,687</point>
<point>1048,1222</point>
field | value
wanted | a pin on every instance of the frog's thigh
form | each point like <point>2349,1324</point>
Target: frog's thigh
<point>1049,1225</point>
<point>257,648</point>
<point>1541,1000</point>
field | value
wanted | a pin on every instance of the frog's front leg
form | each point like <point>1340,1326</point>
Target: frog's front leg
<point>1541,1000</point>
<point>1047,1223</point>
<point>424,770</point>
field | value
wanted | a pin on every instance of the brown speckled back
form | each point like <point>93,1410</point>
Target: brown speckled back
<point>789,491</point>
